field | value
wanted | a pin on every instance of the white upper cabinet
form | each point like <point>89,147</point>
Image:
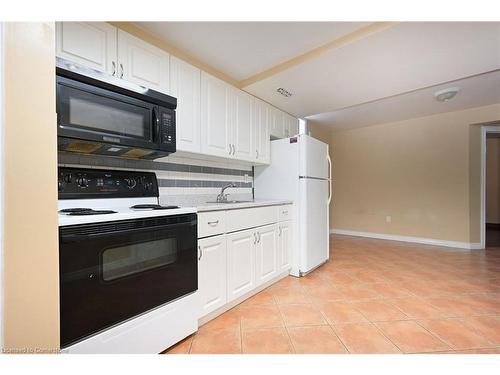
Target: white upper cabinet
<point>142,63</point>
<point>241,132</point>
<point>215,116</point>
<point>291,126</point>
<point>185,86</point>
<point>276,122</point>
<point>260,125</point>
<point>92,44</point>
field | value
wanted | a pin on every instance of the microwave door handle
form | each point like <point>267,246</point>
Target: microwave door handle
<point>156,124</point>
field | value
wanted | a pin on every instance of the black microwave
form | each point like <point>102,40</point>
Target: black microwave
<point>105,115</point>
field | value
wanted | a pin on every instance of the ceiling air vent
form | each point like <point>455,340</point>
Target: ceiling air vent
<point>284,92</point>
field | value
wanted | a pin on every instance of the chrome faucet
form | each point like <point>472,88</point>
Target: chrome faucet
<point>222,198</point>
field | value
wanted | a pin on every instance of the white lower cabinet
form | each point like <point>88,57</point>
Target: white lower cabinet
<point>266,253</point>
<point>240,263</point>
<point>241,250</point>
<point>284,245</point>
<point>212,281</point>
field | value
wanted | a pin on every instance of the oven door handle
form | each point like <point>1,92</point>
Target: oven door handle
<point>79,237</point>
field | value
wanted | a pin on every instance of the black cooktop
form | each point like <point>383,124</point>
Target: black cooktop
<point>85,211</point>
<point>152,207</point>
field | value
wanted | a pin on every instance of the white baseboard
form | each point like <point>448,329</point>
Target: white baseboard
<point>393,237</point>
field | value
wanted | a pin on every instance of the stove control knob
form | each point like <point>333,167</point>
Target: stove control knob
<point>60,185</point>
<point>131,182</point>
<point>68,178</point>
<point>82,182</point>
<point>148,185</point>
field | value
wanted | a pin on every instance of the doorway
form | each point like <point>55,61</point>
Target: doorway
<point>490,187</point>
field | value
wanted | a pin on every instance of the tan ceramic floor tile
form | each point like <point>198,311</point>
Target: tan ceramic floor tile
<point>364,338</point>
<point>301,315</point>
<point>411,338</point>
<point>290,295</point>
<point>264,316</point>
<point>228,320</point>
<point>220,341</point>
<point>181,347</point>
<point>486,326</point>
<point>416,308</point>
<point>456,334</point>
<point>357,292</point>
<point>389,290</point>
<point>262,298</point>
<point>266,341</point>
<point>379,311</point>
<point>315,340</point>
<point>341,312</point>
<point>452,306</point>
<point>324,293</point>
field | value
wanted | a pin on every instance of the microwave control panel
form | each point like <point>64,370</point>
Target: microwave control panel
<point>76,183</point>
<point>167,125</point>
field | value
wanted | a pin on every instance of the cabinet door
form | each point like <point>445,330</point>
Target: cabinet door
<point>285,245</point>
<point>266,253</point>
<point>212,283</point>
<point>260,125</point>
<point>241,263</point>
<point>242,130</point>
<point>277,122</point>
<point>293,127</point>
<point>215,119</point>
<point>185,86</point>
<point>140,62</point>
<point>92,44</point>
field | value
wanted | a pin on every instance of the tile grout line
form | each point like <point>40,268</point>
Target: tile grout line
<point>286,330</point>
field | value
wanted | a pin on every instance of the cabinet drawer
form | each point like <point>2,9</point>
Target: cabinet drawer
<point>250,218</point>
<point>211,223</point>
<point>285,212</point>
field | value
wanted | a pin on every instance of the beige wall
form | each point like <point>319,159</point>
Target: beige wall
<point>493,180</point>
<point>31,285</point>
<point>424,173</point>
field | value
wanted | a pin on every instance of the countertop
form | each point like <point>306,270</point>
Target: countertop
<point>234,206</point>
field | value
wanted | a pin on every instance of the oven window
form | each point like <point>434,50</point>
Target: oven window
<point>103,114</point>
<point>139,257</point>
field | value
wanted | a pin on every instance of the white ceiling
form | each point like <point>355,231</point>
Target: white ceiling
<point>405,57</point>
<point>474,92</point>
<point>346,87</point>
<point>242,49</point>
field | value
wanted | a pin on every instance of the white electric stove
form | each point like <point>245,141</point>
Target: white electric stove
<point>128,266</point>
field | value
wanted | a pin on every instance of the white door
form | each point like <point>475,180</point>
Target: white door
<point>92,44</point>
<point>142,63</point>
<point>313,223</point>
<point>212,286</point>
<point>185,86</point>
<point>242,125</point>
<point>266,253</point>
<point>313,157</point>
<point>215,119</point>
<point>284,245</point>
<point>261,140</point>
<point>241,263</point>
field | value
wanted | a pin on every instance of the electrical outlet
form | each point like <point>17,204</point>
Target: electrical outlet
<point>388,219</point>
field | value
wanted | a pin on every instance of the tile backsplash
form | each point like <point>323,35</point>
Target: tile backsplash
<point>182,181</point>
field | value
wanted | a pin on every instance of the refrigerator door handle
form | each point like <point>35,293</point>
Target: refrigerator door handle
<point>329,178</point>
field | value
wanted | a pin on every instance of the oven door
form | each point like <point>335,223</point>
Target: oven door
<point>113,271</point>
<point>92,113</point>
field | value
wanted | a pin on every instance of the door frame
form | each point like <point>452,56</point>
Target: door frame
<point>485,129</point>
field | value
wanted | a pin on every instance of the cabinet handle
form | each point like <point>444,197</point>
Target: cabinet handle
<point>234,149</point>
<point>258,236</point>
<point>201,252</point>
<point>254,238</point>
<point>114,67</point>
<point>121,70</point>
<point>230,149</point>
<point>285,212</point>
<point>279,235</point>
<point>213,223</point>
<point>256,154</point>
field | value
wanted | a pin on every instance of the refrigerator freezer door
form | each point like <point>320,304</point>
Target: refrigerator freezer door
<point>313,157</point>
<point>313,223</point>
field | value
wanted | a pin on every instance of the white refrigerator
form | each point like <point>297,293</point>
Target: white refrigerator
<point>300,171</point>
